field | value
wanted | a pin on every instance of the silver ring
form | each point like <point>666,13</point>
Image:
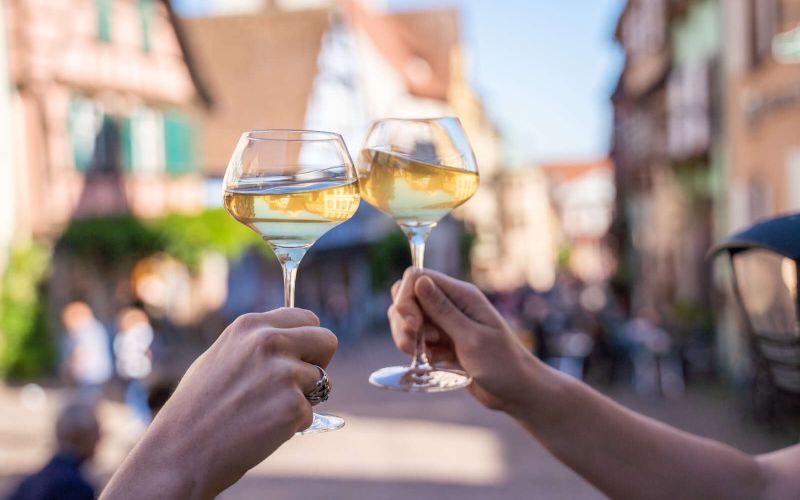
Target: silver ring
<point>321,390</point>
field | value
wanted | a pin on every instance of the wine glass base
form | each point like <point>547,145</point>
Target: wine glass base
<point>323,422</point>
<point>408,379</point>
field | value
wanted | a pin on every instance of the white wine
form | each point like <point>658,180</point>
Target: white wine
<point>292,215</point>
<point>411,191</point>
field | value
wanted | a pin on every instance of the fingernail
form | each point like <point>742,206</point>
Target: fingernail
<point>426,287</point>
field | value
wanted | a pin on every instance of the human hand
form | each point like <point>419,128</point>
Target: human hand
<point>462,329</point>
<point>237,403</point>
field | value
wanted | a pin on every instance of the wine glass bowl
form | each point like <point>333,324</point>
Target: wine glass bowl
<point>417,171</point>
<point>291,187</point>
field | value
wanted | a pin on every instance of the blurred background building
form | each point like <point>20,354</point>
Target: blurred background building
<point>704,142</point>
<point>98,112</point>
<point>119,116</point>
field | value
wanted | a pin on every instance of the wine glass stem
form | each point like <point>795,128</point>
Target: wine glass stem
<point>290,258</point>
<point>417,236</point>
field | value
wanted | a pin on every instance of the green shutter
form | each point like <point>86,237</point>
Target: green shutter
<point>126,143</point>
<point>146,16</point>
<point>104,20</point>
<point>81,154</point>
<point>179,143</point>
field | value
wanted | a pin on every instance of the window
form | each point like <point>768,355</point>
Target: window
<point>178,143</point>
<point>85,121</point>
<point>147,141</point>
<point>146,19</point>
<point>104,20</point>
<point>106,156</point>
<point>126,143</point>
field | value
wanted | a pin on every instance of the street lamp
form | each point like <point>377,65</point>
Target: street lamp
<point>764,262</point>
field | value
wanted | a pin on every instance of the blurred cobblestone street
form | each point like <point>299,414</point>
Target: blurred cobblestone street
<point>395,445</point>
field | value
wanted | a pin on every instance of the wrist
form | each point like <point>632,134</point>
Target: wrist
<point>173,467</point>
<point>539,393</point>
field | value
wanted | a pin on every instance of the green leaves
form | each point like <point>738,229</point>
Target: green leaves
<point>26,346</point>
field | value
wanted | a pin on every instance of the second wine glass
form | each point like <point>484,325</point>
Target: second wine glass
<point>417,171</point>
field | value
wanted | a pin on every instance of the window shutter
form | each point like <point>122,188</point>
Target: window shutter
<point>126,143</point>
<point>104,20</point>
<point>83,129</point>
<point>179,143</point>
<point>146,18</point>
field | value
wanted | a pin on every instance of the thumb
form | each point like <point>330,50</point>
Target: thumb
<point>439,308</point>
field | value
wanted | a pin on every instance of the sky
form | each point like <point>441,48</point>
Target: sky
<point>544,70</point>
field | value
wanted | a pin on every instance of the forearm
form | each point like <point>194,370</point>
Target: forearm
<point>627,455</point>
<point>159,467</point>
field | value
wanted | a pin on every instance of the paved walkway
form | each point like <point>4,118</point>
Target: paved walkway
<point>395,446</point>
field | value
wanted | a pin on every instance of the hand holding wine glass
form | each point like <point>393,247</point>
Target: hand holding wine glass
<point>291,187</point>
<point>464,330</point>
<point>238,402</point>
<point>417,171</point>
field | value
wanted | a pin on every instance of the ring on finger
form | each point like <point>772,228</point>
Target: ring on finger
<point>321,390</point>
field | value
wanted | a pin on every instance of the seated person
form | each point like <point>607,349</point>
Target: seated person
<point>77,435</point>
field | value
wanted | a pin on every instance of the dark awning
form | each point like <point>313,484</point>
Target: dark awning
<point>779,234</point>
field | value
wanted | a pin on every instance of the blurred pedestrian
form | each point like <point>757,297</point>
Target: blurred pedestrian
<point>656,367</point>
<point>134,360</point>
<point>77,435</point>
<point>88,355</point>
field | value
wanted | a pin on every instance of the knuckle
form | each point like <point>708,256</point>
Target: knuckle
<point>405,308</point>
<point>397,325</point>
<point>245,322</point>
<point>273,340</point>
<point>308,317</point>
<point>331,339</point>
<point>282,371</point>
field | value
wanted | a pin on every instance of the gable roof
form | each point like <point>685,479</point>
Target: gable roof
<point>261,70</point>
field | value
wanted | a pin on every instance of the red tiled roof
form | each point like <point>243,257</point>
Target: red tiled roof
<point>568,171</point>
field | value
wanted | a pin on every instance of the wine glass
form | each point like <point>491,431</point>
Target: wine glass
<point>417,171</point>
<point>291,187</point>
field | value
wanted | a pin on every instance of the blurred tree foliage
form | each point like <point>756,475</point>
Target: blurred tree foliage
<point>26,341</point>
<point>113,240</point>
<point>26,346</point>
<point>186,237</point>
<point>107,241</point>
